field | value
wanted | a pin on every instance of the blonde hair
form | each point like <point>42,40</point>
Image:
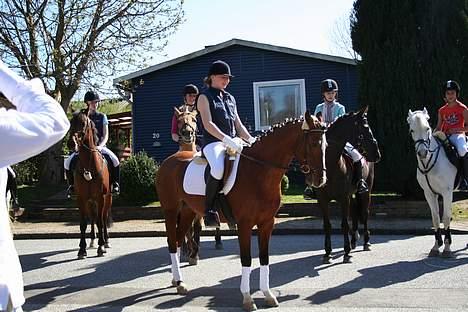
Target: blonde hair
<point>207,81</point>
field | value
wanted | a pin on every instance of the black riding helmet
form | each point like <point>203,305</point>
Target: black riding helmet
<point>220,68</point>
<point>91,96</point>
<point>190,89</point>
<point>451,85</point>
<point>328,85</point>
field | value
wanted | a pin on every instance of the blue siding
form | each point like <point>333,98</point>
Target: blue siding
<point>161,90</point>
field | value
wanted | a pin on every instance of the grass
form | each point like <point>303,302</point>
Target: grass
<point>30,194</point>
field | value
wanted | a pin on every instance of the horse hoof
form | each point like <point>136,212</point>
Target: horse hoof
<point>271,302</point>
<point>447,254</point>
<point>101,251</point>
<point>326,260</point>
<point>107,245</point>
<point>193,261</point>
<point>219,246</point>
<point>182,289</point>
<point>366,247</point>
<point>249,306</point>
<point>434,253</point>
<point>347,259</point>
<point>82,254</point>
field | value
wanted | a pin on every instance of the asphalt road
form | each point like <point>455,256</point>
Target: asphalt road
<point>396,275</point>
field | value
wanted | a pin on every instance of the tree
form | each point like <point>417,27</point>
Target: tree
<point>341,38</point>
<point>409,48</point>
<point>67,43</point>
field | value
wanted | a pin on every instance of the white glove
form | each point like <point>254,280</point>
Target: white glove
<point>252,140</point>
<point>231,143</point>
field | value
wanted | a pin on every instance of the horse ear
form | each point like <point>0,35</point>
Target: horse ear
<point>307,121</point>
<point>426,114</point>
<point>177,111</point>
<point>363,110</point>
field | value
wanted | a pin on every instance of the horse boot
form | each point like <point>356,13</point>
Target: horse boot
<point>115,176</point>
<point>361,183</point>
<point>70,180</point>
<point>211,215</point>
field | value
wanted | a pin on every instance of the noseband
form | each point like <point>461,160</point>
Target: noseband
<point>304,166</point>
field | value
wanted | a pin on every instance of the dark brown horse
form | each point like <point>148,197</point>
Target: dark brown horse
<point>91,182</point>
<point>341,185</point>
<point>255,197</point>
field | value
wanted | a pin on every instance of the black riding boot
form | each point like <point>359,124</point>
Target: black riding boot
<point>115,179</point>
<point>361,183</point>
<point>70,180</point>
<point>211,215</point>
<point>13,188</point>
<point>465,167</point>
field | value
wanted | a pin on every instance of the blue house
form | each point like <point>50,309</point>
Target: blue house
<point>271,83</point>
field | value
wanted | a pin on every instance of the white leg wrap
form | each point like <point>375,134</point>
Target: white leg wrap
<point>175,267</point>
<point>178,253</point>
<point>264,277</point>
<point>245,280</point>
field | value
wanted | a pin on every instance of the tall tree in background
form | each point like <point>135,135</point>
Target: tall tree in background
<point>69,42</point>
<point>409,48</point>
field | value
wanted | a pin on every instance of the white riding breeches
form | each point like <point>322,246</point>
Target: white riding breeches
<point>459,141</point>
<point>215,153</point>
<point>355,155</point>
<point>104,151</point>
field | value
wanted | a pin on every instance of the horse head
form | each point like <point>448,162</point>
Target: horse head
<point>311,153</point>
<point>186,125</point>
<point>82,131</point>
<point>420,131</point>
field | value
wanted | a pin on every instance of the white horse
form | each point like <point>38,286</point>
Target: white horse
<point>436,176</point>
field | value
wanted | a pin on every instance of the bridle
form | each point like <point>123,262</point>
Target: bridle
<point>192,130</point>
<point>434,154</point>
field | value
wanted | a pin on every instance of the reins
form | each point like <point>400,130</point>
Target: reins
<point>428,166</point>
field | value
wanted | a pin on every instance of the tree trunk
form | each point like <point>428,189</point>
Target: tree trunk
<point>52,166</point>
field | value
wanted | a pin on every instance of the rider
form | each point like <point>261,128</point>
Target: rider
<point>190,93</point>
<point>13,188</point>
<point>92,100</point>
<point>452,120</point>
<point>221,123</point>
<point>328,112</point>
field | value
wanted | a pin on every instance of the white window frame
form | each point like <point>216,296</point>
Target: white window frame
<point>273,83</point>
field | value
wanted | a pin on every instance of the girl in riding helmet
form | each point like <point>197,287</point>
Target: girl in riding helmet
<point>190,93</point>
<point>328,112</point>
<point>452,120</point>
<point>221,123</point>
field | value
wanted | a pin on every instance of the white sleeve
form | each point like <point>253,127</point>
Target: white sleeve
<point>38,123</point>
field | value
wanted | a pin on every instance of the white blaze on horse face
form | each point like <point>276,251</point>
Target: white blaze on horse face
<point>420,131</point>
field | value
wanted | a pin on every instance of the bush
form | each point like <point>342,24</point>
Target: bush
<point>27,172</point>
<point>137,178</point>
<point>284,184</point>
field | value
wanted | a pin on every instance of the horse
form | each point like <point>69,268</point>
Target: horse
<point>352,128</point>
<point>255,197</point>
<point>91,180</point>
<point>187,131</point>
<point>436,175</point>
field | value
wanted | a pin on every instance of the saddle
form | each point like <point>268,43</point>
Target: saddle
<point>452,155</point>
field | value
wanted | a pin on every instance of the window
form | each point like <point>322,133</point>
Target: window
<point>276,100</point>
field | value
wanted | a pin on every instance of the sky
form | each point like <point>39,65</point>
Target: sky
<point>299,24</point>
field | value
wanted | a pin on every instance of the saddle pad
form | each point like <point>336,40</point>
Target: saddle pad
<point>194,179</point>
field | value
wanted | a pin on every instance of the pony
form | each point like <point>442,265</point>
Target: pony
<point>341,185</point>
<point>255,197</point>
<point>91,180</point>
<point>436,175</point>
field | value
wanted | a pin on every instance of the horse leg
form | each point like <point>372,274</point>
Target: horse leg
<point>197,228</point>
<point>355,205</point>
<point>218,242</point>
<point>100,226</point>
<point>327,230</point>
<point>83,224</point>
<point>170,216</point>
<point>345,229</point>
<point>245,236</point>
<point>108,204</point>
<point>433,203</point>
<point>186,216</point>
<point>447,216</point>
<point>364,204</point>
<point>264,234</point>
<point>92,235</point>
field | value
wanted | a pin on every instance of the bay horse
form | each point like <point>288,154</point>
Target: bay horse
<point>436,175</point>
<point>187,127</point>
<point>341,185</point>
<point>91,180</point>
<point>255,197</point>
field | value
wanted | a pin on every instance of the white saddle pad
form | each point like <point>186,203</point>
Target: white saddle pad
<point>194,179</point>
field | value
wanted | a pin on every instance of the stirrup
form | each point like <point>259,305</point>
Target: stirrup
<point>115,188</point>
<point>70,191</point>
<point>362,187</point>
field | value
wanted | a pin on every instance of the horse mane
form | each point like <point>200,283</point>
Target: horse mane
<point>78,119</point>
<point>277,126</point>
